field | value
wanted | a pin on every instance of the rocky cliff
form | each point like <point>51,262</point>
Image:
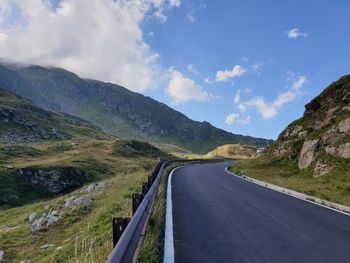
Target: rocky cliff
<point>322,134</point>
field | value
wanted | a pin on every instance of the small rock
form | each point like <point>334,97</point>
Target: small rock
<point>322,169</point>
<point>68,203</point>
<point>86,200</point>
<point>47,207</point>
<point>1,255</point>
<point>59,248</point>
<point>8,228</point>
<point>37,225</point>
<point>55,213</point>
<point>32,217</point>
<point>73,202</point>
<point>94,186</point>
<point>51,219</point>
<point>344,125</point>
<point>46,246</point>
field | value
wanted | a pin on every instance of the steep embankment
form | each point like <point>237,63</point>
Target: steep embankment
<point>312,154</point>
<point>322,132</point>
<point>115,109</point>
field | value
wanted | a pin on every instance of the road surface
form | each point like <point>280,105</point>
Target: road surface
<point>220,218</point>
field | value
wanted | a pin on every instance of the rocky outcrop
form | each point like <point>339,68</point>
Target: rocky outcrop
<point>55,180</point>
<point>307,153</point>
<point>35,132</point>
<point>323,129</point>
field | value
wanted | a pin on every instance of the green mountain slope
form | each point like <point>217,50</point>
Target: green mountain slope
<point>44,154</point>
<point>116,109</point>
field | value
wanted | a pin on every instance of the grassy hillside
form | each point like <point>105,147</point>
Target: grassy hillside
<point>235,151</point>
<point>115,109</point>
<point>69,177</point>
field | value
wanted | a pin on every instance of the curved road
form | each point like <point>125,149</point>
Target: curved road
<point>220,218</point>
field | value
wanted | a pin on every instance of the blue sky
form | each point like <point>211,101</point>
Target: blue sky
<point>248,33</point>
<point>248,67</point>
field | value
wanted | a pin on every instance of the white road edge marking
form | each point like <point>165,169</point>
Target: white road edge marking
<point>286,192</point>
<point>169,254</point>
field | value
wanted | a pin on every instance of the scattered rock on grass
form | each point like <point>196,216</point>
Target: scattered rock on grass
<point>32,217</point>
<point>46,246</point>
<point>1,255</point>
<point>94,186</point>
<point>73,201</point>
<point>8,228</point>
<point>45,221</point>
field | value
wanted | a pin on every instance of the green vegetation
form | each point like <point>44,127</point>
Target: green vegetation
<point>334,186</point>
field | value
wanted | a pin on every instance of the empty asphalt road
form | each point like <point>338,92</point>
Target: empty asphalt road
<point>220,218</point>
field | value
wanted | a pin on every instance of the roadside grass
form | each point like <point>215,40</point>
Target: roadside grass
<point>334,186</point>
<point>85,233</point>
<point>152,247</point>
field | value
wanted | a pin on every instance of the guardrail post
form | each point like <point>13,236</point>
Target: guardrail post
<point>136,201</point>
<point>119,224</point>
<point>144,188</point>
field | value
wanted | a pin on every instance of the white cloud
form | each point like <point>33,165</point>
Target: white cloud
<point>174,3</point>
<point>237,97</point>
<point>192,9</point>
<point>207,80</point>
<point>295,33</point>
<point>192,69</point>
<point>270,110</point>
<point>242,107</point>
<point>3,38</point>
<point>183,89</point>
<point>267,111</point>
<point>96,39</point>
<point>235,118</point>
<point>236,71</point>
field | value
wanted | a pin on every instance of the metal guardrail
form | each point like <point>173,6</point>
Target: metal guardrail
<point>128,234</point>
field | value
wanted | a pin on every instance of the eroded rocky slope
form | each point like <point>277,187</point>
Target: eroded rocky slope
<point>321,134</point>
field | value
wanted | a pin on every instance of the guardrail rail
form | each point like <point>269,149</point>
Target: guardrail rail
<point>128,233</point>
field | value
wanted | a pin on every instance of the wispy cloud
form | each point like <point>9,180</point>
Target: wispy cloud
<point>183,89</point>
<point>236,118</point>
<point>236,71</point>
<point>193,9</point>
<point>270,109</point>
<point>295,33</point>
<point>192,69</point>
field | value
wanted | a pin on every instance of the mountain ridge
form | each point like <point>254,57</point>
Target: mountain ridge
<point>115,109</point>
